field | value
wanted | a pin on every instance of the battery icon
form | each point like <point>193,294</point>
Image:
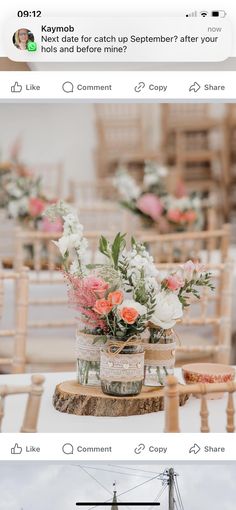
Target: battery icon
<point>218,14</point>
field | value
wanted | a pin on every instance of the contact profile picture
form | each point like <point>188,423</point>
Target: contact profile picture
<point>23,39</point>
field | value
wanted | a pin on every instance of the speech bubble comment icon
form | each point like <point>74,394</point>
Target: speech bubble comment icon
<point>68,87</point>
<point>68,449</point>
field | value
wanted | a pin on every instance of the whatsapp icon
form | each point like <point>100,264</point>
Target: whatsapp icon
<point>31,46</point>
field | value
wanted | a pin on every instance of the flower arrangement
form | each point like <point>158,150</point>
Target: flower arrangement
<point>116,298</point>
<point>123,297</point>
<point>24,200</point>
<point>154,204</point>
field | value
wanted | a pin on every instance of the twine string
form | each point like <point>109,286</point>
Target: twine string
<point>119,345</point>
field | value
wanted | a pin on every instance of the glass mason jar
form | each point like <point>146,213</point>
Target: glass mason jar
<point>88,349</point>
<point>159,360</point>
<point>122,369</point>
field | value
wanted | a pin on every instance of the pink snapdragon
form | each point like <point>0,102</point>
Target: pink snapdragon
<point>150,205</point>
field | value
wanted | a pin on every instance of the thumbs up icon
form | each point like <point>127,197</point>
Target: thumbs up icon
<point>16,87</point>
<point>16,450</point>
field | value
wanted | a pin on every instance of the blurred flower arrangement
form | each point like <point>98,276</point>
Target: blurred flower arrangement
<point>123,297</point>
<point>21,194</point>
<point>151,201</point>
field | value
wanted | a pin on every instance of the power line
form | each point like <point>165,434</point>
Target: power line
<point>93,477</point>
<point>135,469</point>
<point>129,490</point>
<point>113,471</point>
<point>159,495</point>
<point>180,502</point>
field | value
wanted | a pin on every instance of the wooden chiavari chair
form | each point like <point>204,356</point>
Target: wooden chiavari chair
<point>187,130</point>
<point>173,390</point>
<point>34,392</point>
<point>88,193</point>
<point>122,137</point>
<point>230,157</point>
<point>52,176</point>
<point>205,331</point>
<point>104,216</point>
<point>180,247</point>
<point>51,324</point>
<point>13,338</point>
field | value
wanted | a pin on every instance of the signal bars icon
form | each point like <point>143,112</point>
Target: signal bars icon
<point>204,14</point>
<point>192,14</point>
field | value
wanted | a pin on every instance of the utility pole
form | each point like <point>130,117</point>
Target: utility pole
<point>171,475</point>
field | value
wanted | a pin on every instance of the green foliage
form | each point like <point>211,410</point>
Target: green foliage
<point>113,251</point>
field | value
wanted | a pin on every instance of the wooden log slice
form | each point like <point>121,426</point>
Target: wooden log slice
<point>72,398</point>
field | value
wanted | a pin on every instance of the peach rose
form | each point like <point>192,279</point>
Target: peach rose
<point>116,297</point>
<point>190,216</point>
<point>102,307</point>
<point>174,215</point>
<point>129,315</point>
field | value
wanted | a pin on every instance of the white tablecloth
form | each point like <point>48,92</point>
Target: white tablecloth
<point>51,420</point>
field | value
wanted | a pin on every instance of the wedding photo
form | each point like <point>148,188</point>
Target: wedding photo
<point>117,272</point>
<point>33,486</point>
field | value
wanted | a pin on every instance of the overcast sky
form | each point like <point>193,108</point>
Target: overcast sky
<point>44,486</point>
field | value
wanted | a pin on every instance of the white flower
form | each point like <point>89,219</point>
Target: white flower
<point>140,265</point>
<point>66,243</point>
<point>167,311</point>
<point>153,173</point>
<point>13,190</point>
<point>130,303</point>
<point>126,185</point>
<point>18,208</point>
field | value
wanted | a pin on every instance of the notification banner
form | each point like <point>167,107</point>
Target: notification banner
<point>118,39</point>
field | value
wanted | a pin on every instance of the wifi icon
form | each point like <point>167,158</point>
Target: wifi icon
<point>204,14</point>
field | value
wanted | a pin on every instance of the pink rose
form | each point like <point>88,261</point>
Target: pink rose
<point>150,205</point>
<point>51,226</point>
<point>97,285</point>
<point>36,206</point>
<point>174,215</point>
<point>174,282</point>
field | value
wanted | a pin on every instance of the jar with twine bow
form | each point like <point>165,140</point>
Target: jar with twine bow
<point>122,367</point>
<point>159,356</point>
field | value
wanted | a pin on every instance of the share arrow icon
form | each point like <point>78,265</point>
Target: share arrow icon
<point>195,449</point>
<point>195,87</point>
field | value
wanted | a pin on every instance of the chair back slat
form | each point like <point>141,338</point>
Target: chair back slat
<point>182,246</point>
<point>204,414</point>
<point>18,333</point>
<point>230,411</point>
<point>173,390</point>
<point>34,392</point>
